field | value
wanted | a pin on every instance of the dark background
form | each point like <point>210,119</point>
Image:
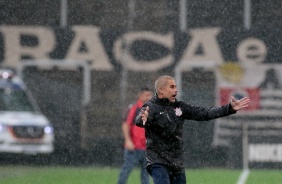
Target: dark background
<point>58,92</point>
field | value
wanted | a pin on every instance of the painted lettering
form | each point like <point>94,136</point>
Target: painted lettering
<point>95,54</point>
<point>126,59</point>
<point>251,51</point>
<point>206,40</point>
<point>14,50</point>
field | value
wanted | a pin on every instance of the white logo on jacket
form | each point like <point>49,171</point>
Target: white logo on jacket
<point>178,112</point>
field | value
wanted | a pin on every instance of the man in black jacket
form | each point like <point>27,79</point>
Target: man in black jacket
<point>163,117</point>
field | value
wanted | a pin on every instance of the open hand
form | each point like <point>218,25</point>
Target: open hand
<point>239,104</point>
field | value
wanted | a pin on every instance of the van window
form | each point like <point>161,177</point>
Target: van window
<point>15,100</point>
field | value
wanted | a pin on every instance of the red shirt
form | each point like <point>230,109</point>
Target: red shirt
<point>137,134</point>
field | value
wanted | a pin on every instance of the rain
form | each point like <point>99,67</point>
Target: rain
<point>70,69</point>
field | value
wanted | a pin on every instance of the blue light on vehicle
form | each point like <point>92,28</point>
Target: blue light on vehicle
<point>2,128</point>
<point>48,129</point>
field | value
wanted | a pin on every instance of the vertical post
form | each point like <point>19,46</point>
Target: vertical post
<point>182,27</point>
<point>131,7</point>
<point>86,85</point>
<point>123,81</point>
<point>64,14</point>
<point>245,173</point>
<point>247,14</point>
<point>245,143</point>
<point>178,80</point>
<point>124,72</point>
<point>183,15</point>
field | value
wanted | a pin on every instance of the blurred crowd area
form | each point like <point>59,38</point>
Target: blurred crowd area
<point>157,15</point>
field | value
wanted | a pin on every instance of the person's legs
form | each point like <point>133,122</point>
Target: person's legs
<point>178,178</point>
<point>145,178</point>
<point>129,162</point>
<point>159,173</point>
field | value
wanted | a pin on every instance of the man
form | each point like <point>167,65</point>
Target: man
<point>163,117</point>
<point>135,141</point>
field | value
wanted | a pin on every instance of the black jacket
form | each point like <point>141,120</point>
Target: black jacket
<point>164,128</point>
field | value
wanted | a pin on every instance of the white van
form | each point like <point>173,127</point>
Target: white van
<point>23,128</point>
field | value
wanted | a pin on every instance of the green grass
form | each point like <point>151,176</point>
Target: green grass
<point>265,177</point>
<point>212,176</point>
<point>104,175</point>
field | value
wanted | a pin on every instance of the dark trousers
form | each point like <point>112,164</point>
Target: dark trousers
<point>131,160</point>
<point>162,174</point>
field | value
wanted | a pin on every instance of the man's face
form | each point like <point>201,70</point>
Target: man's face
<point>169,91</point>
<point>145,96</point>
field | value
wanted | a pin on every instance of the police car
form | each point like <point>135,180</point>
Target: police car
<point>23,128</point>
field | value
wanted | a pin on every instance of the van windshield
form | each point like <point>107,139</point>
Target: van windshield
<point>15,100</point>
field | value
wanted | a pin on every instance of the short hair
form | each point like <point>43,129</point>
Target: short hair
<point>143,89</point>
<point>162,81</point>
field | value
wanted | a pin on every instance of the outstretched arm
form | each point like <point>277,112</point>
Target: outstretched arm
<point>204,114</point>
<point>239,104</point>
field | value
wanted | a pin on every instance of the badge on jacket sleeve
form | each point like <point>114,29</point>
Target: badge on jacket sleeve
<point>178,112</point>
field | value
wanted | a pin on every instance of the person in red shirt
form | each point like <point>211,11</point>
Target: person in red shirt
<point>134,140</point>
